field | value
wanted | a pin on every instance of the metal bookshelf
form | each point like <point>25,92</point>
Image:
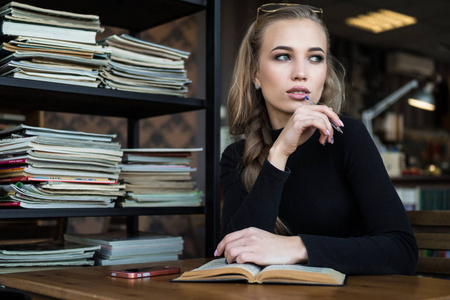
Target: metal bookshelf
<point>136,16</point>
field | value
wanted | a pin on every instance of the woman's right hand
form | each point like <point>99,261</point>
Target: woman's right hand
<point>299,128</point>
<point>254,245</point>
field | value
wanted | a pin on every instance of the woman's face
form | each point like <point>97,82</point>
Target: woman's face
<point>292,65</point>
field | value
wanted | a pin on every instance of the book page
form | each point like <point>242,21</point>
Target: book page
<point>301,274</point>
<point>219,264</point>
<point>297,267</point>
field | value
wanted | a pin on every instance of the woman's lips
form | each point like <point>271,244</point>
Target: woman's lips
<point>298,92</point>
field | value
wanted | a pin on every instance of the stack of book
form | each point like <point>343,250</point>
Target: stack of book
<point>140,66</point>
<point>45,254</point>
<point>159,177</point>
<point>42,167</point>
<point>50,45</point>
<point>122,248</point>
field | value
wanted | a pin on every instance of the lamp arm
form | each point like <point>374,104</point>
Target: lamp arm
<point>369,114</point>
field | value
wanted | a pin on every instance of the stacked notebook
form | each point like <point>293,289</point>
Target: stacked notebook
<point>159,177</point>
<point>140,66</point>
<point>120,248</point>
<point>41,167</point>
<point>50,45</point>
<point>45,254</point>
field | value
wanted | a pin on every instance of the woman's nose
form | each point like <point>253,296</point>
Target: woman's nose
<point>299,71</point>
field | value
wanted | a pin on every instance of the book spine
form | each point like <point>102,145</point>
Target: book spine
<point>13,161</point>
<point>10,203</point>
<point>90,180</point>
<point>15,179</point>
<point>9,169</point>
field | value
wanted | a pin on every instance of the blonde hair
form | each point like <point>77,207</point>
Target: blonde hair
<point>246,106</point>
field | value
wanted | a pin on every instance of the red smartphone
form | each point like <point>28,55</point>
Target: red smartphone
<point>145,272</point>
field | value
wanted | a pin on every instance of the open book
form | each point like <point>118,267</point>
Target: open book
<point>217,270</point>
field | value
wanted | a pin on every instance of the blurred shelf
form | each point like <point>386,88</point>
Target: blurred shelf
<point>421,180</point>
<point>18,213</point>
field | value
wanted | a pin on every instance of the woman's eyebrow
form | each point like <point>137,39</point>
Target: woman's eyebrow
<point>316,49</point>
<point>287,48</point>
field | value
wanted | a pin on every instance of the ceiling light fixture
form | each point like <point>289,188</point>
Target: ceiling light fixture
<point>380,21</point>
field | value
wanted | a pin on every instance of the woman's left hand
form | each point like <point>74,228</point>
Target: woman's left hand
<point>253,245</point>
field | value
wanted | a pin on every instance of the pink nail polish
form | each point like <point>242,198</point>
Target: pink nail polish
<point>215,253</point>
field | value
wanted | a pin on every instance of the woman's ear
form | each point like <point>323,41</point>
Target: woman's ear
<point>257,83</point>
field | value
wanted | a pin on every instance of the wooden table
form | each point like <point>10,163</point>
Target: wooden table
<point>96,283</point>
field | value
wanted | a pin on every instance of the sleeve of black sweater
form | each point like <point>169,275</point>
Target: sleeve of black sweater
<point>241,209</point>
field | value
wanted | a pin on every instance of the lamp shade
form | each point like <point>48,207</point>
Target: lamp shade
<point>424,98</point>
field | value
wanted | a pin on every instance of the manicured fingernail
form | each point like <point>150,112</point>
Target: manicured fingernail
<point>341,123</point>
<point>324,142</point>
<point>332,140</point>
<point>328,133</point>
<point>215,253</point>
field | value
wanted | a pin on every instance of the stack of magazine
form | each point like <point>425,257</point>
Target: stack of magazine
<point>140,66</point>
<point>122,248</point>
<point>50,45</point>
<point>22,257</point>
<point>49,168</point>
<point>58,46</point>
<point>159,177</point>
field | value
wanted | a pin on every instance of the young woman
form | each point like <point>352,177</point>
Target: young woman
<point>295,189</point>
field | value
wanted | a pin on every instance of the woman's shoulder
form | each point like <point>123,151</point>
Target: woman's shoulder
<point>353,127</point>
<point>355,138</point>
<point>350,121</point>
<point>355,135</point>
<point>235,149</point>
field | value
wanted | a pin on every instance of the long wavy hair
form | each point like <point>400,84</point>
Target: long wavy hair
<point>246,106</point>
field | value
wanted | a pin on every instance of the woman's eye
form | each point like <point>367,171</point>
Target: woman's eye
<point>283,57</point>
<point>316,58</point>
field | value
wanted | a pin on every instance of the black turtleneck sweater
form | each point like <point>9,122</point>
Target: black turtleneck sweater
<point>338,198</point>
